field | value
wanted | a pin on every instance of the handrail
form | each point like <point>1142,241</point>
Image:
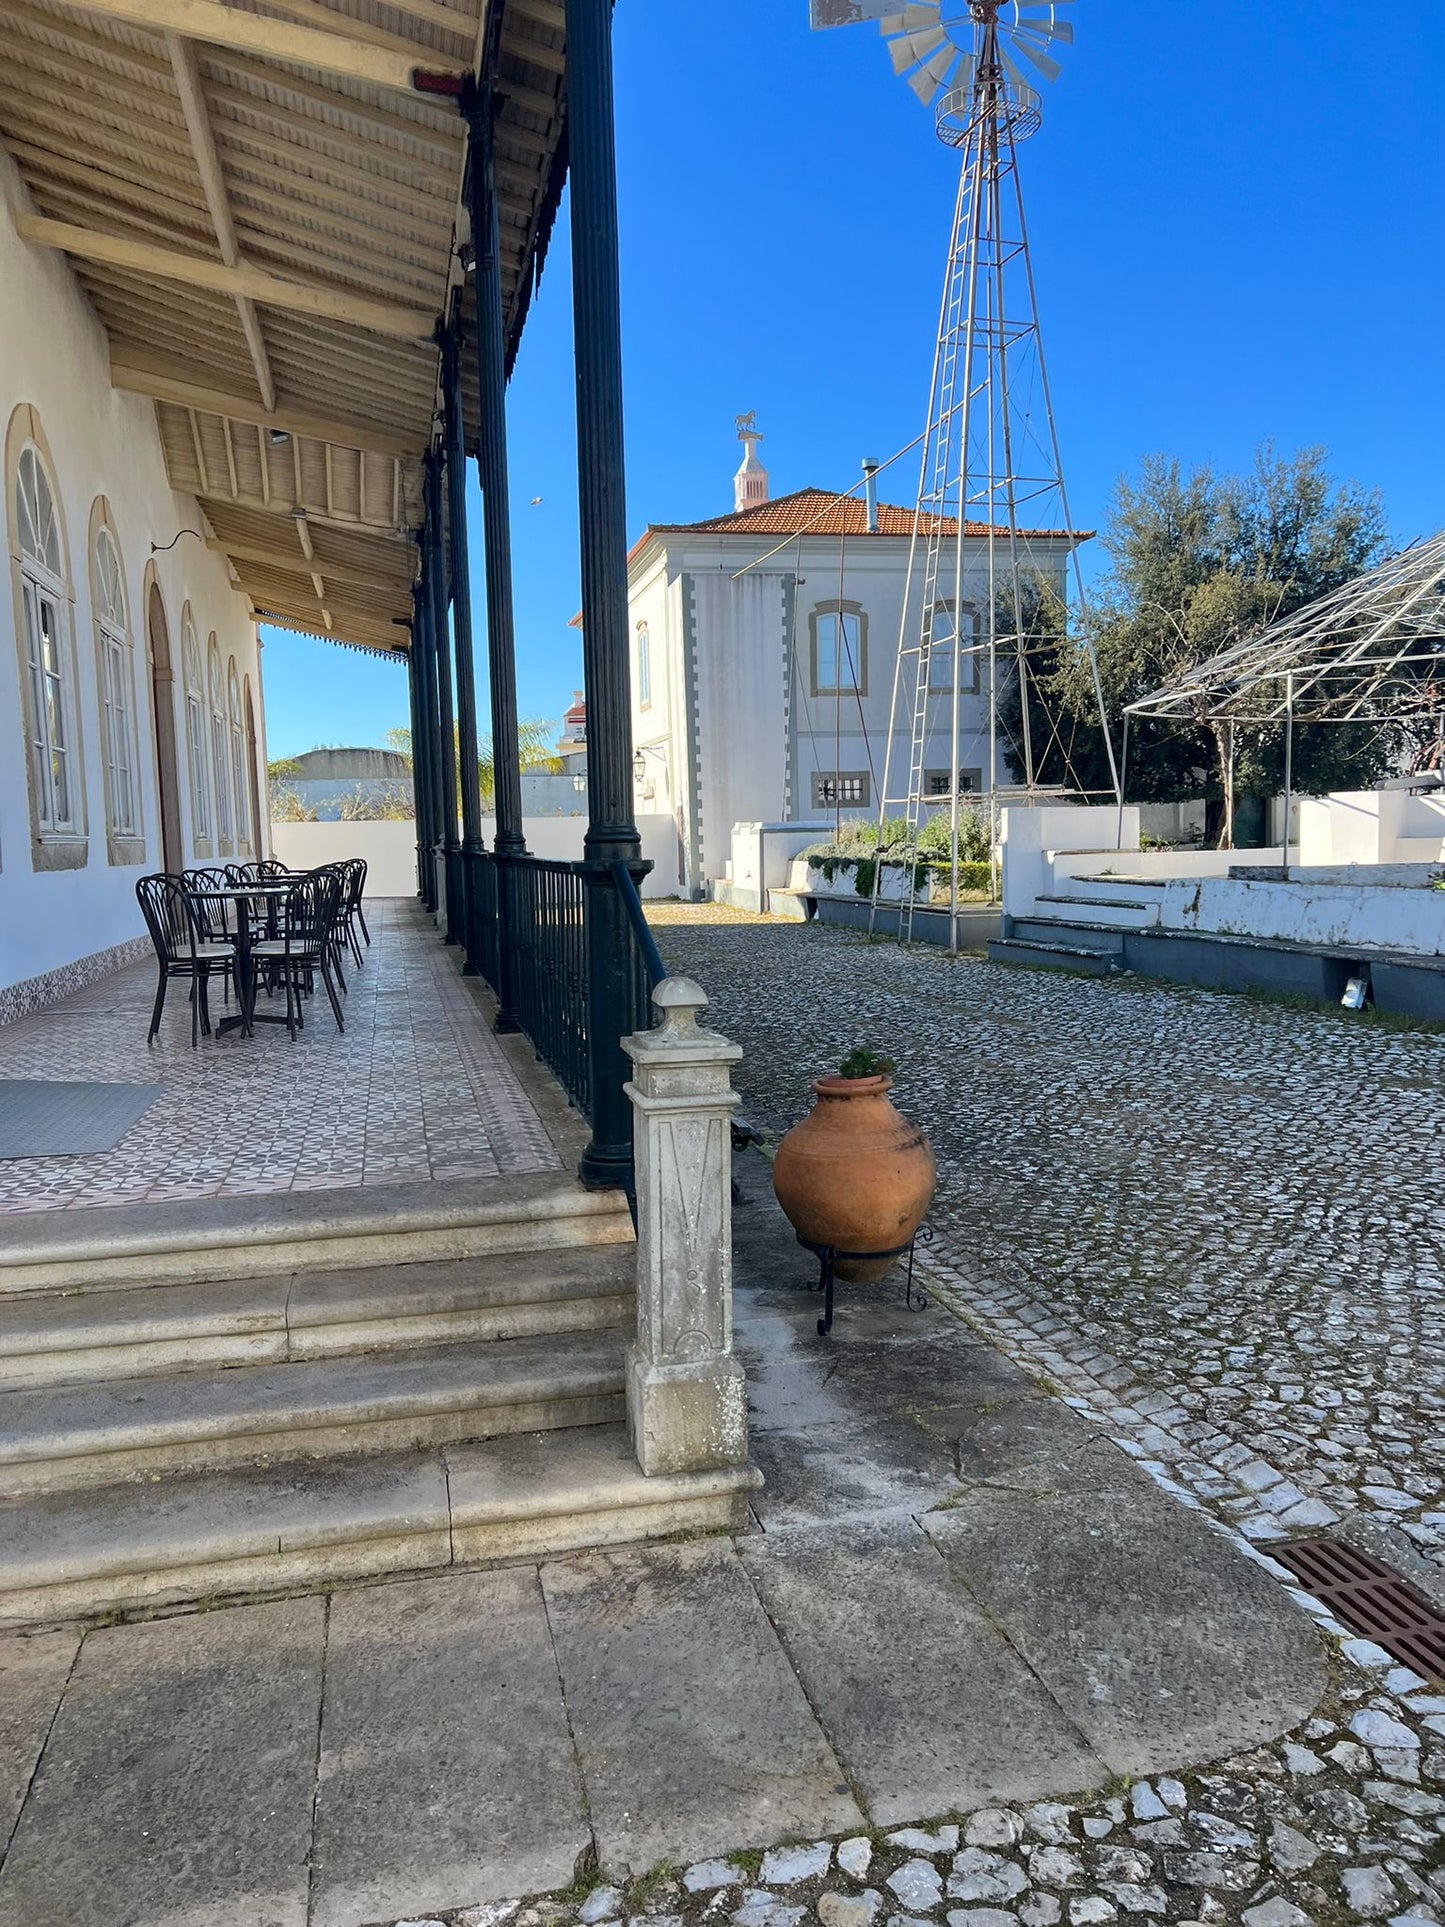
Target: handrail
<point>632,903</point>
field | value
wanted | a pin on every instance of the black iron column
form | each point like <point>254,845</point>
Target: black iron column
<point>425,750</point>
<point>611,832</point>
<point>416,714</point>
<point>454,429</point>
<point>510,841</point>
<point>441,657</point>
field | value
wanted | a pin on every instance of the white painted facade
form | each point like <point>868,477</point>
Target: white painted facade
<point>68,868</point>
<point>734,716</point>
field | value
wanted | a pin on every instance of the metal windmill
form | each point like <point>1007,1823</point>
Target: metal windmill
<point>991,502</point>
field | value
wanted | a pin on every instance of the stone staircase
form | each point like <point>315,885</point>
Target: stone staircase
<point>1081,927</point>
<point>273,1393</point>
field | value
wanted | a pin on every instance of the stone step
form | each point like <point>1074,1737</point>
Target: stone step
<point>69,1555</point>
<point>117,1246</point>
<point>51,1338</point>
<point>113,1430</point>
<point>1046,931</point>
<point>1109,913</point>
<point>1054,956</point>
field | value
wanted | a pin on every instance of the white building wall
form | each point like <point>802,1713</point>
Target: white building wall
<point>763,734</point>
<point>99,442</point>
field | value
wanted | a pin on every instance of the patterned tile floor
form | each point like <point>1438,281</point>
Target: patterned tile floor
<point>415,1088</point>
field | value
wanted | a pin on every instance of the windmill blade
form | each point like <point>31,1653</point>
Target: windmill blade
<point>932,76</point>
<point>1039,33</point>
<point>911,48</point>
<point>848,13</point>
<point>1046,65</point>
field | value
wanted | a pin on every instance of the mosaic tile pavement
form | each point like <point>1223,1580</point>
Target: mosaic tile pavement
<point>1211,1223</point>
<point>416,1088</point>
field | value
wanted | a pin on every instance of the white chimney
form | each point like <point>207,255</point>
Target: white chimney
<point>870,491</point>
<point>750,484</point>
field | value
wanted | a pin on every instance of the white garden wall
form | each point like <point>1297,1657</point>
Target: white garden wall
<point>390,848</point>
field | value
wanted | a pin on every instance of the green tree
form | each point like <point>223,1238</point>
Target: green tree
<point>1200,561</point>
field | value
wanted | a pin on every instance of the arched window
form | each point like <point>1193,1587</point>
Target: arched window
<point>196,731</point>
<point>839,649</point>
<point>50,702</point>
<point>220,748</point>
<point>644,667</point>
<point>944,625</point>
<point>113,648</point>
<point>239,785</point>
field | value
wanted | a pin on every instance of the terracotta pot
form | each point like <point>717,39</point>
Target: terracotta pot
<point>855,1174</point>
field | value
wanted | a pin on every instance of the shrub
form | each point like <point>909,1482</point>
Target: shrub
<point>862,1062</point>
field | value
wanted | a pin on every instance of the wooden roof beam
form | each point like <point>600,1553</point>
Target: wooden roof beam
<point>137,379</point>
<point>338,575</point>
<point>353,526</point>
<point>327,301</point>
<point>254,33</point>
<point>213,184</point>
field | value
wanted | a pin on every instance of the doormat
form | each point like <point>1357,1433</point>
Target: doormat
<point>43,1119</point>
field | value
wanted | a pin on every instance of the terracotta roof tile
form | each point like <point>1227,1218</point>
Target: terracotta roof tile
<point>818,511</point>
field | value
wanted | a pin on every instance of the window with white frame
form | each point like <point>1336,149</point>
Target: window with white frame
<point>49,723</point>
<point>220,748</point>
<point>238,755</point>
<point>117,700</point>
<point>196,730</point>
<point>644,667</point>
<point>839,649</point>
<point>940,659</point>
<point>846,789</point>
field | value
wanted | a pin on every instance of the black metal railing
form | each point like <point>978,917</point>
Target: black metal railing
<point>547,901</point>
<point>484,882</point>
<point>550,974</point>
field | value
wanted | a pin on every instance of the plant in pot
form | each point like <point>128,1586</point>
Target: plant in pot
<point>855,1175</point>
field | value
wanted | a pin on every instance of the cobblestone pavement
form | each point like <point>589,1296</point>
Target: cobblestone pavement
<point>1215,1224</point>
<point>1211,1223</point>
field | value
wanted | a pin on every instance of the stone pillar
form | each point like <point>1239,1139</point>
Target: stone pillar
<point>686,1394</point>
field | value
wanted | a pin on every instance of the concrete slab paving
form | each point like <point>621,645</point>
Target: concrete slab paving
<point>693,1733</point>
<point>1162,1643</point>
<point>175,1790</point>
<point>930,1707</point>
<point>446,1774</point>
<point>33,1672</point>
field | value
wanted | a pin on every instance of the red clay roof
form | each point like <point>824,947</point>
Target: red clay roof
<point>818,511</point>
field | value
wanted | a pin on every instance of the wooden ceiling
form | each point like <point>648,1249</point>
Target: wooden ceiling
<point>263,210</point>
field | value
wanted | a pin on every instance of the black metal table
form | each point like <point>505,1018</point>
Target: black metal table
<point>828,1256</point>
<point>242,895</point>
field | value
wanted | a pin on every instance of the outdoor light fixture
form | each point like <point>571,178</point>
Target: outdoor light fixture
<point>1356,990</point>
<point>279,437</point>
<point>467,255</point>
<point>639,766</point>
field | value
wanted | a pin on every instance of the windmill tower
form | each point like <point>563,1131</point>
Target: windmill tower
<point>993,518</point>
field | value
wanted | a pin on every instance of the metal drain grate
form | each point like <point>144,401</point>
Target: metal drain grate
<point>1370,1599</point>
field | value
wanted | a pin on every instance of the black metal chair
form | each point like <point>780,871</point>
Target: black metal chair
<point>353,882</point>
<point>355,913</point>
<point>182,949</point>
<point>306,944</point>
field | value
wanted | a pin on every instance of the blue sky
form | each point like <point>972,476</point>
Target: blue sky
<point>1236,213</point>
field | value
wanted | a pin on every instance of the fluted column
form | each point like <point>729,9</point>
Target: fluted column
<point>611,831</point>
<point>510,841</point>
